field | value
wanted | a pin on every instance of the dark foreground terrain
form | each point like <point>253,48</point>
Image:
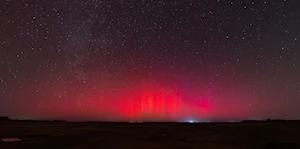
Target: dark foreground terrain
<point>55,135</point>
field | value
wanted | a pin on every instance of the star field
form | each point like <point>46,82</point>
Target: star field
<point>95,59</point>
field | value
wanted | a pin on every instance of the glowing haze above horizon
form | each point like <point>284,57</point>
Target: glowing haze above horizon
<point>150,60</point>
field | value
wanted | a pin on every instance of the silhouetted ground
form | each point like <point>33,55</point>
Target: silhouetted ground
<point>57,134</point>
<point>4,118</point>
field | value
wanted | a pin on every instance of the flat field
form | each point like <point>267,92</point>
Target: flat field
<point>90,135</point>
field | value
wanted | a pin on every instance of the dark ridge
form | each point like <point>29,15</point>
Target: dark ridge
<point>58,121</point>
<point>269,120</point>
<point>276,120</point>
<point>4,118</point>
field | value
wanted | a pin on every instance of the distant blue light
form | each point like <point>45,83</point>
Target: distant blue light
<point>191,121</point>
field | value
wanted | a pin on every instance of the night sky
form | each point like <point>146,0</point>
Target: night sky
<point>150,60</point>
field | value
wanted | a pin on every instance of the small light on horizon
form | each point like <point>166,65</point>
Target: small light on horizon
<point>191,121</point>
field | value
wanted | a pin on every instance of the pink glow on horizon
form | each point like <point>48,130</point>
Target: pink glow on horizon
<point>146,102</point>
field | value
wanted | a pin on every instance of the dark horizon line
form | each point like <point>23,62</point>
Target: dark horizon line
<point>6,118</point>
